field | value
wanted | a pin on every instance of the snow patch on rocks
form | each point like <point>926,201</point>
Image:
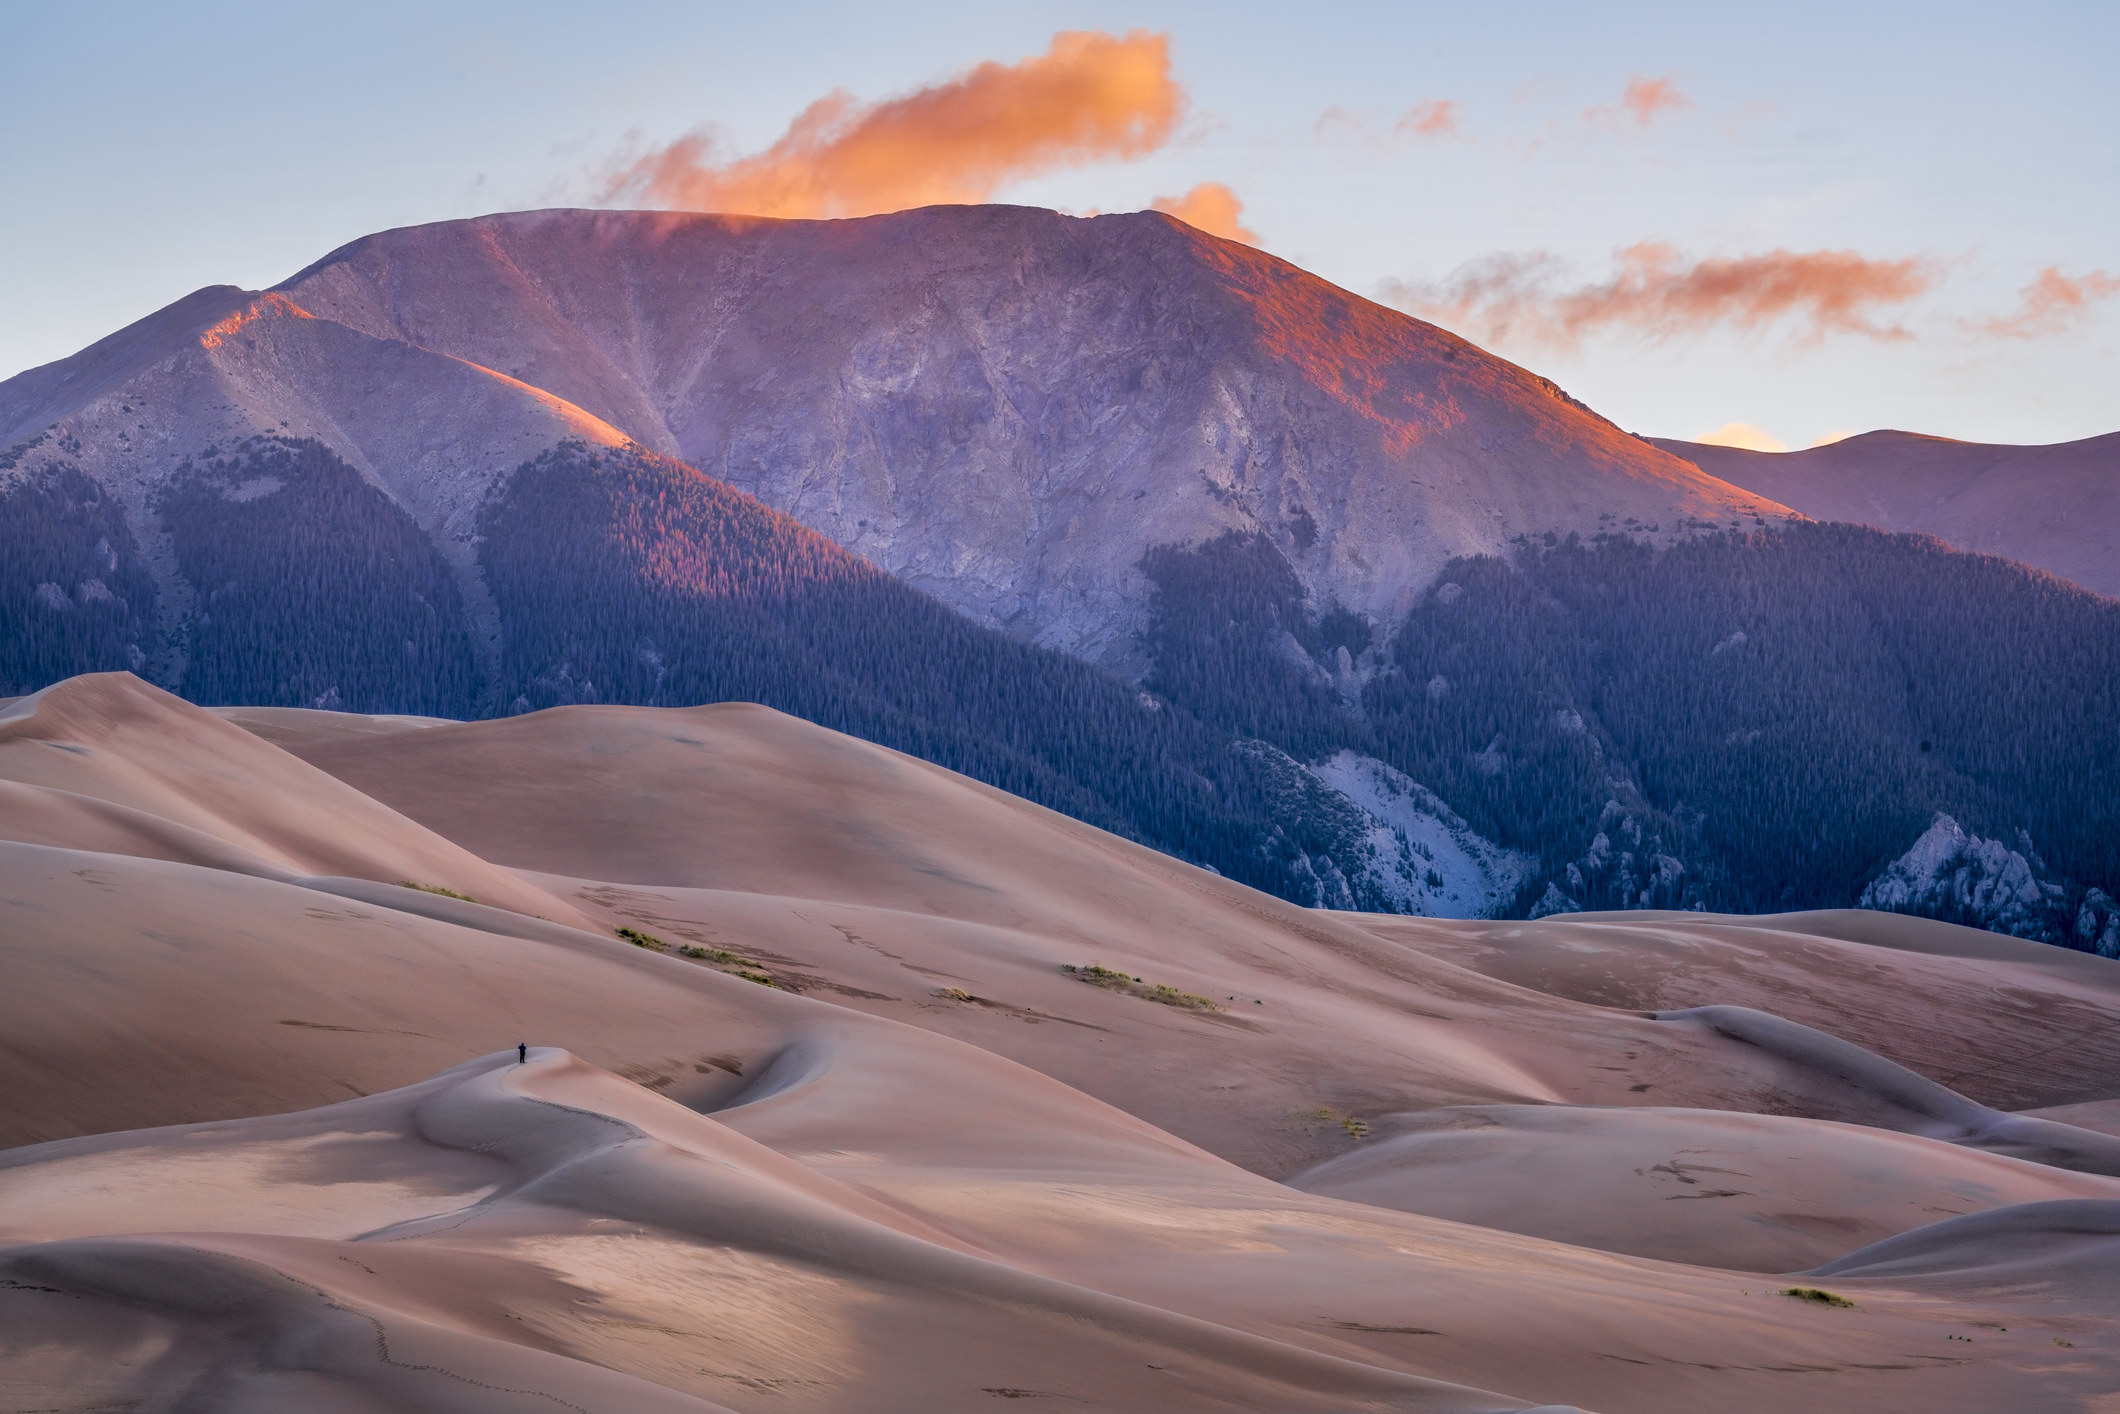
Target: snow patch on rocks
<point>1422,855</point>
<point>1958,876</point>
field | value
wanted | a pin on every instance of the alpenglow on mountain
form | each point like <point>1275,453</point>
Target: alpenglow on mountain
<point>1151,528</point>
<point>1003,406</point>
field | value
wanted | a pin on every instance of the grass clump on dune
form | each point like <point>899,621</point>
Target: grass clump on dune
<point>435,889</point>
<point>1115,981</point>
<point>750,969</point>
<point>1821,1297</point>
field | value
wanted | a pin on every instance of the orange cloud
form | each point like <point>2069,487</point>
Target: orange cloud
<point>1089,97</point>
<point>2051,304</point>
<point>1209,207</point>
<point>1750,436</point>
<point>1660,295</point>
<point>1433,117</point>
<point>1645,98</point>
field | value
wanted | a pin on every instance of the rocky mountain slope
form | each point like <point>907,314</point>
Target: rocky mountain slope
<point>1003,406</point>
<point>2055,507</point>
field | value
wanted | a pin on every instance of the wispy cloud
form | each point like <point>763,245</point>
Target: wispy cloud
<point>1658,293</point>
<point>2050,304</point>
<point>1090,97</point>
<point>1432,117</point>
<point>1644,100</point>
<point>1429,118</point>
<point>1210,207</point>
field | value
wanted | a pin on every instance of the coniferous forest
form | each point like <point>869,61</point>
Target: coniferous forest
<point>1740,721</point>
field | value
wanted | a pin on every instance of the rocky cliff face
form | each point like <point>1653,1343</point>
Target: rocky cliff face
<point>1003,406</point>
<point>1962,878</point>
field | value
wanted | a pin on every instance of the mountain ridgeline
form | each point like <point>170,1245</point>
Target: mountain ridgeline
<point>1743,722</point>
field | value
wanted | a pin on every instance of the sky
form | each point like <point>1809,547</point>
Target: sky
<point>1774,224</point>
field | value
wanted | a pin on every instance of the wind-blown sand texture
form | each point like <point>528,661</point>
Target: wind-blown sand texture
<point>275,1150</point>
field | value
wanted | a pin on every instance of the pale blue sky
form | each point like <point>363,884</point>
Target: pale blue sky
<point>151,149</point>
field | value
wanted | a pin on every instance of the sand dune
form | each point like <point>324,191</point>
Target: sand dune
<point>1747,1192</point>
<point>108,762</point>
<point>928,1167</point>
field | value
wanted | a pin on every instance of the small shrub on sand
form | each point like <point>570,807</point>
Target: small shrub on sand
<point>1115,981</point>
<point>954,994</point>
<point>722,956</point>
<point>643,940</point>
<point>1812,1293</point>
<point>435,889</point>
<point>761,978</point>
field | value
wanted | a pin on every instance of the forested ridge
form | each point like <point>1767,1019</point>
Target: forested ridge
<point>1745,721</point>
<point>628,577</point>
<point>1742,721</point>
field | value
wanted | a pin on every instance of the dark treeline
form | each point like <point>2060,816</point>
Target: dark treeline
<point>1775,714</point>
<point>626,577</point>
<point>74,591</point>
<point>313,588</point>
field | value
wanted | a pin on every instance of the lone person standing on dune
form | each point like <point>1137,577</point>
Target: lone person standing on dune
<point>522,1052</point>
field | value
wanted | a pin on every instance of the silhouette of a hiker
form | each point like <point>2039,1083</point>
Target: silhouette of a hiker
<point>522,1052</point>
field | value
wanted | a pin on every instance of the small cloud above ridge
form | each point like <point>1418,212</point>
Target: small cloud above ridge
<point>1746,435</point>
<point>1210,207</point>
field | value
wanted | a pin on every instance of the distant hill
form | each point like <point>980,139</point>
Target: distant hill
<point>2054,507</point>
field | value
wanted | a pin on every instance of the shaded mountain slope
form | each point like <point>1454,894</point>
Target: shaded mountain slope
<point>2053,507</point>
<point>1744,721</point>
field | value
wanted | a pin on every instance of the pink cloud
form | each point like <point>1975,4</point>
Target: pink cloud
<point>1433,117</point>
<point>1660,294</point>
<point>2050,304</point>
<point>1644,100</point>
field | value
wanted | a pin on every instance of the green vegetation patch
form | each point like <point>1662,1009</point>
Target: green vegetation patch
<point>1115,981</point>
<point>1818,1295</point>
<point>644,940</point>
<point>435,889</point>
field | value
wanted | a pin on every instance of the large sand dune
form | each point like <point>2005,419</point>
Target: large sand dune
<point>276,1151</point>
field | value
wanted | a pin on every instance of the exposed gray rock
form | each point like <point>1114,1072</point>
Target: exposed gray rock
<point>1960,877</point>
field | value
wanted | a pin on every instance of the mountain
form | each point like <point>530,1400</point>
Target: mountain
<point>1149,528</point>
<point>2055,507</point>
<point>1004,407</point>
